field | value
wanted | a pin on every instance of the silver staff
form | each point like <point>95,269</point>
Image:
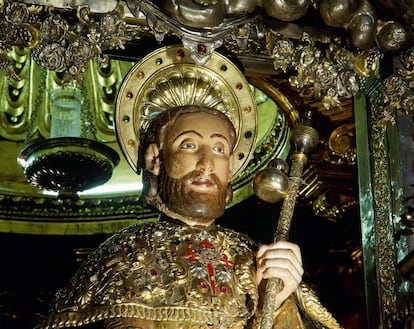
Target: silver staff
<point>268,186</point>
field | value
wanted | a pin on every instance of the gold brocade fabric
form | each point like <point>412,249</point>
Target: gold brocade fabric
<point>302,310</point>
<point>164,272</point>
<point>168,275</point>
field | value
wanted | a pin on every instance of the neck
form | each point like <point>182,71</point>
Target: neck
<point>190,221</point>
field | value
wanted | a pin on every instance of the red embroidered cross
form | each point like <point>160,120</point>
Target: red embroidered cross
<point>191,255</point>
<point>226,261</point>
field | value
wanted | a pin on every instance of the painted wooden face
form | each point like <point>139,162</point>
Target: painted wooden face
<point>197,157</point>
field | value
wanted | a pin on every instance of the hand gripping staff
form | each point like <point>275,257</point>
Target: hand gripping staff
<point>305,139</point>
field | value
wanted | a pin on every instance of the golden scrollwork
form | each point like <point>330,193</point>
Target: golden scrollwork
<point>341,143</point>
<point>65,44</point>
<point>383,224</point>
<point>332,205</point>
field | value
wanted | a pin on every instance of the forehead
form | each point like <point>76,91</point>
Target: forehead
<point>205,124</point>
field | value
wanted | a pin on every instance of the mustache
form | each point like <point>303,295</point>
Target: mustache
<point>198,176</point>
<point>168,186</point>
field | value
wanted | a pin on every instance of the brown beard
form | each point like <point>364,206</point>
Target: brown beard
<point>178,196</point>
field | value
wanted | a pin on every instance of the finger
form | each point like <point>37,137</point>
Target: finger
<point>280,249</point>
<point>290,279</point>
<point>286,245</point>
<point>280,245</point>
<point>289,282</point>
<point>285,260</point>
<point>282,268</point>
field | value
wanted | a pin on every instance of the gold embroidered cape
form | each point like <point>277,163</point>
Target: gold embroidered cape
<point>171,275</point>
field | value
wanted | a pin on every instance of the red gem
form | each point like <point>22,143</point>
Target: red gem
<point>201,48</point>
<point>180,53</point>
<point>130,94</point>
<point>202,285</point>
<point>223,289</point>
<point>154,272</point>
<point>239,86</point>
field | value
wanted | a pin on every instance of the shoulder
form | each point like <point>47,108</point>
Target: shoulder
<point>238,238</point>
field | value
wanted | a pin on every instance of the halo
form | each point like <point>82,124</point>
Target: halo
<point>169,77</point>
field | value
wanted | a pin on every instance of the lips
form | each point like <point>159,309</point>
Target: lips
<point>203,182</point>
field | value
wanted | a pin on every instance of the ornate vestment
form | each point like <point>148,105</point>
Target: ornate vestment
<point>168,274</point>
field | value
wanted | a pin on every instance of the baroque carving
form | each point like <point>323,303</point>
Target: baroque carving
<point>397,89</point>
<point>383,223</point>
<point>64,39</point>
<point>58,41</point>
<point>322,73</point>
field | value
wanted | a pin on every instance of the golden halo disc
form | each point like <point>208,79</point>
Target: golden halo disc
<point>169,77</point>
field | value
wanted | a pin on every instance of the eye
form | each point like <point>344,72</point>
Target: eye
<point>186,145</point>
<point>219,149</point>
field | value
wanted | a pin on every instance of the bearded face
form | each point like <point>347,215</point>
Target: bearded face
<point>193,169</point>
<point>183,196</point>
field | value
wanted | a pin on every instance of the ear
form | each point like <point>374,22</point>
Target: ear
<point>152,159</point>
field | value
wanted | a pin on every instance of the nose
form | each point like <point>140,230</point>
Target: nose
<point>206,161</point>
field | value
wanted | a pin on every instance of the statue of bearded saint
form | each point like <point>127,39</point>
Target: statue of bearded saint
<point>182,271</point>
